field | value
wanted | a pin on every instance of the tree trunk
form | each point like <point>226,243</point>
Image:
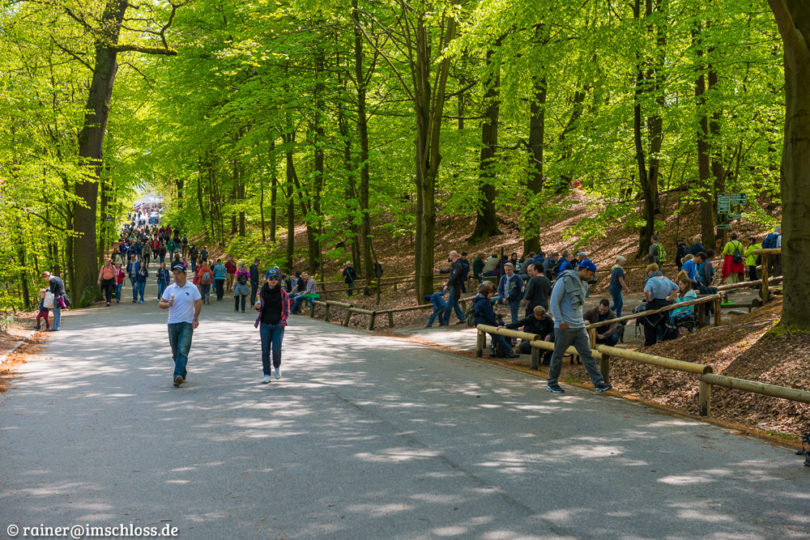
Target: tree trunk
<point>91,144</point>
<point>289,140</point>
<point>534,183</point>
<point>486,223</point>
<point>273,191</point>
<point>362,129</point>
<point>314,221</point>
<point>793,19</point>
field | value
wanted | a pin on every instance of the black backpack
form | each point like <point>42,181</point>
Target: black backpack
<point>737,257</point>
<point>243,278</point>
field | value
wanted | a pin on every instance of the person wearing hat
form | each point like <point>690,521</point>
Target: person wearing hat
<point>567,299</point>
<point>349,277</point>
<point>618,284</point>
<point>184,302</point>
<point>581,256</point>
<point>274,308</point>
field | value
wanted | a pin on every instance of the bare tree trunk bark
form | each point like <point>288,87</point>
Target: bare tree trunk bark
<point>793,20</point>
<point>537,136</point>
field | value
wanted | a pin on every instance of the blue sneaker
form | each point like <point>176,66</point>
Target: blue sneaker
<point>603,387</point>
<point>555,389</point>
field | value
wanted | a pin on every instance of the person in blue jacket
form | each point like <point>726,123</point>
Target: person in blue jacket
<point>482,310</point>
<point>132,271</point>
<point>439,308</point>
<point>163,279</point>
<point>143,274</point>
<point>510,290</point>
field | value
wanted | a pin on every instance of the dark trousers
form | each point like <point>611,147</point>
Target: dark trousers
<point>752,273</point>
<point>655,325</point>
<point>220,287</point>
<point>272,335</point>
<point>107,285</point>
<point>254,289</point>
<point>237,300</point>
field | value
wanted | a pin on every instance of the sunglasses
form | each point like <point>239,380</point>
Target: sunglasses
<point>273,278</point>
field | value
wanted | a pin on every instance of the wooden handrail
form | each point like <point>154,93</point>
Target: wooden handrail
<point>701,300</point>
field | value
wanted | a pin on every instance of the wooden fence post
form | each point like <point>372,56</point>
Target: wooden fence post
<point>592,337</point>
<point>717,309</point>
<point>390,319</point>
<point>535,358</point>
<point>326,312</point>
<point>480,344</point>
<point>348,317</point>
<point>312,309</point>
<point>704,398</point>
<point>604,367</point>
<point>371,320</point>
<point>765,292</point>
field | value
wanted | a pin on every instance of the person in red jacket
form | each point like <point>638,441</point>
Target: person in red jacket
<point>230,268</point>
<point>119,282</point>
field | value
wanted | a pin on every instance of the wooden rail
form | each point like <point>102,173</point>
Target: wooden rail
<point>603,353</point>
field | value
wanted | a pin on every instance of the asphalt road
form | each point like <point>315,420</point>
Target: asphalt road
<point>363,437</point>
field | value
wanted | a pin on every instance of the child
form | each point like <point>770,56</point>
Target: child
<point>439,306</point>
<point>43,311</point>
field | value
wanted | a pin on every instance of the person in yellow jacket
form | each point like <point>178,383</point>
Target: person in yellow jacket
<point>733,261</point>
<point>751,259</point>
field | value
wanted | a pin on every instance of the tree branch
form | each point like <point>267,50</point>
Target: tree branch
<point>144,50</point>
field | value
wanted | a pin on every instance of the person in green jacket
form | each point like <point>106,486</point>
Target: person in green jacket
<point>478,267</point>
<point>751,259</point>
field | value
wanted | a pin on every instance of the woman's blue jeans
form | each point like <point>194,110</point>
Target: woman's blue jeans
<point>272,336</point>
<point>618,301</point>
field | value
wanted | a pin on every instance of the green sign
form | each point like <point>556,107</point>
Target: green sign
<point>732,217</point>
<point>738,198</point>
<point>723,203</point>
<point>723,226</point>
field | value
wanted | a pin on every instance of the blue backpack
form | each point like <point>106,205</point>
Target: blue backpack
<point>770,241</point>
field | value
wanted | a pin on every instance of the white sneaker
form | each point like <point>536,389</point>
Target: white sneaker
<point>278,373</point>
<point>266,379</point>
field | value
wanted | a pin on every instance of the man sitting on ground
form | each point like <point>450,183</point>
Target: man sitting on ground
<point>605,335</point>
<point>306,291</point>
<point>540,323</point>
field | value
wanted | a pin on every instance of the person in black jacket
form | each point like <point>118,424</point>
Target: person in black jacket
<point>538,289</point>
<point>482,309</point>
<point>273,308</point>
<point>254,281</point>
<point>540,323</point>
<point>349,277</point>
<point>457,272</point>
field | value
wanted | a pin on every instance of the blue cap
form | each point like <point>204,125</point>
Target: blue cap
<point>273,272</point>
<point>587,264</point>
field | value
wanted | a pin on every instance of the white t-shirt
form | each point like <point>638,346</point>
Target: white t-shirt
<point>184,297</point>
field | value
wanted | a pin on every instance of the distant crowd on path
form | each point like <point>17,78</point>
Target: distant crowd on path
<point>544,286</point>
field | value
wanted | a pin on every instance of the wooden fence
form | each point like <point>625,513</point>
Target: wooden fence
<point>604,353</point>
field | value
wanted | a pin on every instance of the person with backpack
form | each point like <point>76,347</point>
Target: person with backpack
<point>567,300</point>
<point>241,290</point>
<point>752,260</point>
<point>60,298</point>
<point>657,253</point>
<point>733,261</point>
<point>204,254</point>
<point>220,275</point>
<point>510,290</point>
<point>439,307</point>
<point>772,241</point>
<point>273,308</point>
<point>484,314</point>
<point>349,277</point>
<point>563,264</point>
<point>205,277</point>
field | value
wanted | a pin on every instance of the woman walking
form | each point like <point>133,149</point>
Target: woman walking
<point>618,284</point>
<point>106,279</point>
<point>273,308</point>
<point>733,261</point>
<point>241,289</point>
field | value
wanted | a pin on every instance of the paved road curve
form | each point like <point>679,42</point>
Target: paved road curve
<point>364,437</point>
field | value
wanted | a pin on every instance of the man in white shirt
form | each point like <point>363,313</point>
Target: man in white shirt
<point>184,303</point>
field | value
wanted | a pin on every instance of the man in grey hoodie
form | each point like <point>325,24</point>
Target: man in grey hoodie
<point>567,299</point>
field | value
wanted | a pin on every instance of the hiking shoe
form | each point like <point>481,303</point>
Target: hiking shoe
<point>37,327</point>
<point>266,379</point>
<point>555,389</point>
<point>278,373</point>
<point>108,303</point>
<point>178,380</point>
<point>513,355</point>
<point>604,387</point>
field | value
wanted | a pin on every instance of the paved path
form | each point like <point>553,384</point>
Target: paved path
<point>364,437</point>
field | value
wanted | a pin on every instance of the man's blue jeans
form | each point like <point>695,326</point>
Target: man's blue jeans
<point>141,289</point>
<point>618,301</point>
<point>452,304</point>
<point>514,309</point>
<point>134,282</point>
<point>272,336</point>
<point>180,341</point>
